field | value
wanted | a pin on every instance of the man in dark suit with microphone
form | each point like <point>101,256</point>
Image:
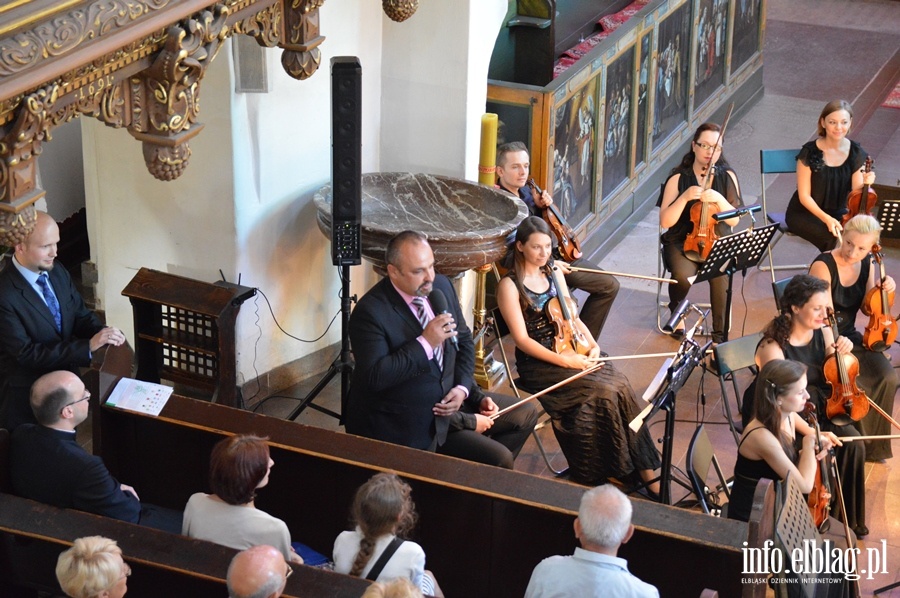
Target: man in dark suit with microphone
<point>413,383</point>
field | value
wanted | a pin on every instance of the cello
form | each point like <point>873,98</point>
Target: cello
<point>819,500</point>
<point>881,331</point>
<point>567,337</point>
<point>861,201</point>
<point>569,247</point>
<point>847,402</point>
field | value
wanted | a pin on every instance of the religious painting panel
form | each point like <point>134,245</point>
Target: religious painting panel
<point>671,79</point>
<point>617,116</point>
<point>643,98</point>
<point>745,38</point>
<point>573,155</point>
<point>711,48</point>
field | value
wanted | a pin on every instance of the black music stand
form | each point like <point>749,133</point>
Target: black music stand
<point>731,253</point>
<point>889,218</point>
<point>689,355</point>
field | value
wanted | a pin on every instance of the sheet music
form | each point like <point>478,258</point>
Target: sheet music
<point>140,396</point>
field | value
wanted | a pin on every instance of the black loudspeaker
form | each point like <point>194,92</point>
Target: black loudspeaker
<point>346,159</point>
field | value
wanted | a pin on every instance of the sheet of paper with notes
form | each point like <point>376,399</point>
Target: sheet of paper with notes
<point>139,396</point>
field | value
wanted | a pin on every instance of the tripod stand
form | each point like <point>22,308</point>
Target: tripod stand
<point>343,365</point>
<point>729,254</point>
<point>688,357</point>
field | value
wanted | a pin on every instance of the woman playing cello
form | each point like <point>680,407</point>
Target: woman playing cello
<point>682,191</point>
<point>799,333</point>
<point>768,444</point>
<point>591,414</point>
<point>848,271</point>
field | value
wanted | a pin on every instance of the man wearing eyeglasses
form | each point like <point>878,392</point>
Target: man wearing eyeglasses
<point>259,571</point>
<point>44,324</point>
<point>47,464</point>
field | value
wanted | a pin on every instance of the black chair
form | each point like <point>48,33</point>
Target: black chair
<point>731,357</point>
<point>5,485</point>
<point>778,290</point>
<point>700,457</point>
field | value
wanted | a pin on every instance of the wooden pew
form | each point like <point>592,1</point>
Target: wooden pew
<point>32,535</point>
<point>483,528</point>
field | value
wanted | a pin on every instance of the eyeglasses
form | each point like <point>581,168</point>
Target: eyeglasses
<point>288,573</point>
<point>86,397</point>
<point>707,148</point>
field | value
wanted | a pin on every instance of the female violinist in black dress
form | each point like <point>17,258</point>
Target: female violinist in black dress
<point>828,169</point>
<point>850,274</point>
<point>681,192</point>
<point>800,333</point>
<point>768,444</point>
<point>591,414</point>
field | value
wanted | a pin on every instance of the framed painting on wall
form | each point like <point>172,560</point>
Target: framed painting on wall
<point>745,39</point>
<point>643,98</point>
<point>573,155</point>
<point>711,47</point>
<point>670,81</point>
<point>617,116</point>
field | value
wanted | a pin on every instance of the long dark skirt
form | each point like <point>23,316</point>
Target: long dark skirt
<point>590,420</point>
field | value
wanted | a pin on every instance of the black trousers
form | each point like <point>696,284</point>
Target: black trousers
<point>500,445</point>
<point>802,223</point>
<point>602,290</point>
<point>682,268</point>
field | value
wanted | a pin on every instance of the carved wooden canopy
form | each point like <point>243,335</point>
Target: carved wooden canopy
<point>135,64</point>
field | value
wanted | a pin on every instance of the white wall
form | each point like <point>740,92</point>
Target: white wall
<point>244,203</point>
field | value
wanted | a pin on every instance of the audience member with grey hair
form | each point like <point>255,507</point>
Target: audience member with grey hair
<point>258,572</point>
<point>93,568</point>
<point>603,524</point>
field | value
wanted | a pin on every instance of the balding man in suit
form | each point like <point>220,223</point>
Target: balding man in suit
<point>258,572</point>
<point>44,324</point>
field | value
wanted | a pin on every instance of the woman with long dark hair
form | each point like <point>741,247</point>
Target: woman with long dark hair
<point>682,191</point>
<point>768,445</point>
<point>591,414</point>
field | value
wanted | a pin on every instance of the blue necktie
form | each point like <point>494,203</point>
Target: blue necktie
<point>422,315</point>
<point>44,282</point>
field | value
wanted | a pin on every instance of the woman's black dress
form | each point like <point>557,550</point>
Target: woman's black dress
<point>590,415</point>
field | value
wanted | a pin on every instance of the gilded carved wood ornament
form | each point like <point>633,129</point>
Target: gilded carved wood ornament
<point>133,64</point>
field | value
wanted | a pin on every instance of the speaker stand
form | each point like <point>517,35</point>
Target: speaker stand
<point>343,365</point>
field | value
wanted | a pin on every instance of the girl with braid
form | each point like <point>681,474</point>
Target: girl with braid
<point>384,514</point>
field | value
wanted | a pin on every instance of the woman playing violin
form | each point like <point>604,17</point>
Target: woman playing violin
<point>591,414</point>
<point>799,333</point>
<point>848,271</point>
<point>768,444</point>
<point>682,191</point>
<point>828,168</point>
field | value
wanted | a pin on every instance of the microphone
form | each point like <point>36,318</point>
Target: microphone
<point>728,214</point>
<point>677,315</point>
<point>439,304</point>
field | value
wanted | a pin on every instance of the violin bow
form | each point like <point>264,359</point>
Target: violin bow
<point>709,166</point>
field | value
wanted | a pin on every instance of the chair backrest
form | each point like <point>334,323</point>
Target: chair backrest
<point>778,290</point>
<point>5,485</point>
<point>774,162</point>
<point>736,354</point>
<point>700,457</point>
<point>794,526</point>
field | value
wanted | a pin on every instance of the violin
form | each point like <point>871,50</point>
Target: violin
<point>568,338</point>
<point>699,241</point>
<point>819,500</point>
<point>569,247</point>
<point>881,331</point>
<point>847,402</point>
<point>861,201</point>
